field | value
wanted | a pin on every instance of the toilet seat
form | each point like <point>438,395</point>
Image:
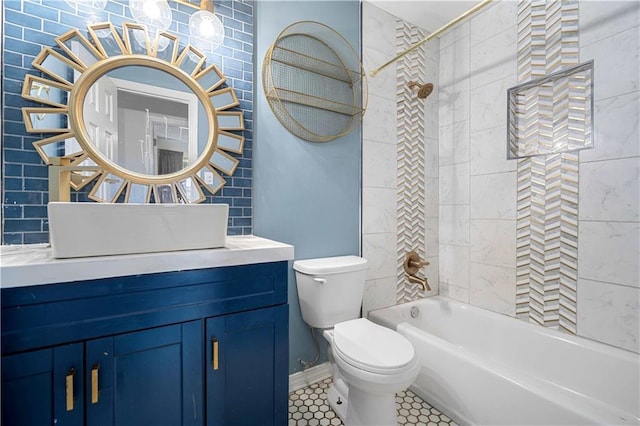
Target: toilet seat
<point>372,347</point>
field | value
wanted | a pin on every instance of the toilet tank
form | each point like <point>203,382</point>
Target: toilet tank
<point>330,289</point>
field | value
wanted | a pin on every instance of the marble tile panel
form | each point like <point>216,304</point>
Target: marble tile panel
<point>454,61</point>
<point>616,63</point>
<point>609,313</point>
<point>432,117</point>
<point>380,120</point>
<point>432,49</point>
<point>454,292</point>
<point>431,199</point>
<point>454,265</point>
<point>378,294</point>
<point>461,52</point>
<point>488,104</point>
<point>379,207</point>
<point>493,196</point>
<point>454,184</point>
<point>494,19</point>
<point>446,64</point>
<point>600,19</point>
<point>609,252</point>
<point>431,106</point>
<point>445,115</point>
<point>461,102</point>
<point>616,128</point>
<point>494,58</point>
<point>379,29</point>
<point>454,224</point>
<point>493,288</point>
<point>488,152</point>
<point>493,242</point>
<point>379,164</point>
<point>380,250</point>
<point>384,83</point>
<point>454,143</point>
<point>431,160</point>
<point>610,190</point>
<point>453,103</point>
<point>460,31</point>
<point>431,239</point>
<point>432,70</point>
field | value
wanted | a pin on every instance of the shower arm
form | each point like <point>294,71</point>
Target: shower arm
<point>436,33</point>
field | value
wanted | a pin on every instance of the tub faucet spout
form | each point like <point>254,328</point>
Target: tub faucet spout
<point>417,280</point>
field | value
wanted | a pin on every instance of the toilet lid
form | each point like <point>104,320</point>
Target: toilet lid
<point>371,347</point>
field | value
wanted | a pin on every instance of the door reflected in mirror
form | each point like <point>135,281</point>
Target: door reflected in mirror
<point>145,120</point>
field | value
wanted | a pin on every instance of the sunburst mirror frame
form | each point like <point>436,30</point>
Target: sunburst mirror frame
<point>108,51</point>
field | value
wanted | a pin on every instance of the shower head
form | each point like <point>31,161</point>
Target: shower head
<point>423,90</point>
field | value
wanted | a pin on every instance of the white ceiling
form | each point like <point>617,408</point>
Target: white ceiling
<point>427,14</point>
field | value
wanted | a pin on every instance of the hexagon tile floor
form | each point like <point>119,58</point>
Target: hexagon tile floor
<point>309,407</point>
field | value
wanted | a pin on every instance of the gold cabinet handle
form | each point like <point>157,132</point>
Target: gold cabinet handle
<point>94,383</point>
<point>69,388</point>
<point>214,362</point>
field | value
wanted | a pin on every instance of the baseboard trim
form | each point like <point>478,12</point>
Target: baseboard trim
<point>304,378</point>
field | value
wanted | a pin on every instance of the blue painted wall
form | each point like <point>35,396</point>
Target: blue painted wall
<point>31,24</point>
<point>306,194</point>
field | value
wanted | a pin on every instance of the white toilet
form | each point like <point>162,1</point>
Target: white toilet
<point>370,362</point>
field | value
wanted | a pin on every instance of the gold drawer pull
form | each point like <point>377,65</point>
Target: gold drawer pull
<point>69,388</point>
<point>94,383</point>
<point>215,353</point>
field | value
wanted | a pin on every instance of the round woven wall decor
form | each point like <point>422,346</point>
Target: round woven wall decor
<point>314,82</point>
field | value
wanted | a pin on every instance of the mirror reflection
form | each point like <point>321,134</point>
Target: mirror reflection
<point>145,120</point>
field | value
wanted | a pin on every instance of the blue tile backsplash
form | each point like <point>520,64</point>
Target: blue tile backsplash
<point>31,24</point>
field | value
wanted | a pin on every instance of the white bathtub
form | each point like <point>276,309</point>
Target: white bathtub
<point>483,368</point>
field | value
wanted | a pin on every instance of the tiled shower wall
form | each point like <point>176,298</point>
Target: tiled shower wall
<point>478,206</point>
<point>399,153</point>
<point>472,217</point>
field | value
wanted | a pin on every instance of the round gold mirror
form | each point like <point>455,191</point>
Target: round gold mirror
<point>146,119</point>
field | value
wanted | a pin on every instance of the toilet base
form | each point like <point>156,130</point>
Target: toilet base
<point>338,402</point>
<point>369,409</point>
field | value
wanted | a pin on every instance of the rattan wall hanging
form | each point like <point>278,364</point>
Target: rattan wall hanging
<point>314,82</point>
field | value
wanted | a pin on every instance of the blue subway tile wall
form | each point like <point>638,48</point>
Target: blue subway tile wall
<point>31,24</point>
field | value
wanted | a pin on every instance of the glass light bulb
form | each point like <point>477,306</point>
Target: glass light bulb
<point>155,14</point>
<point>151,9</point>
<point>206,30</point>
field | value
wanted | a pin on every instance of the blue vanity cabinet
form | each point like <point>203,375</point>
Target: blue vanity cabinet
<point>150,377</point>
<point>140,349</point>
<point>246,356</point>
<point>43,387</point>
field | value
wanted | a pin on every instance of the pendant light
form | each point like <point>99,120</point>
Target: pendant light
<point>205,28</point>
<point>156,15</point>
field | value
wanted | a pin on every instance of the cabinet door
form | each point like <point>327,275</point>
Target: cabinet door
<point>150,377</point>
<point>43,387</point>
<point>247,374</point>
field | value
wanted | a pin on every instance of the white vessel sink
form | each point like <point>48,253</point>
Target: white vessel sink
<point>98,229</point>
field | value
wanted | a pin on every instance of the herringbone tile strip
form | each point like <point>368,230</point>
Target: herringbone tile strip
<point>547,219</point>
<point>411,172</point>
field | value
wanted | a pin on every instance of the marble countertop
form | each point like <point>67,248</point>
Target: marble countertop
<point>34,264</point>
